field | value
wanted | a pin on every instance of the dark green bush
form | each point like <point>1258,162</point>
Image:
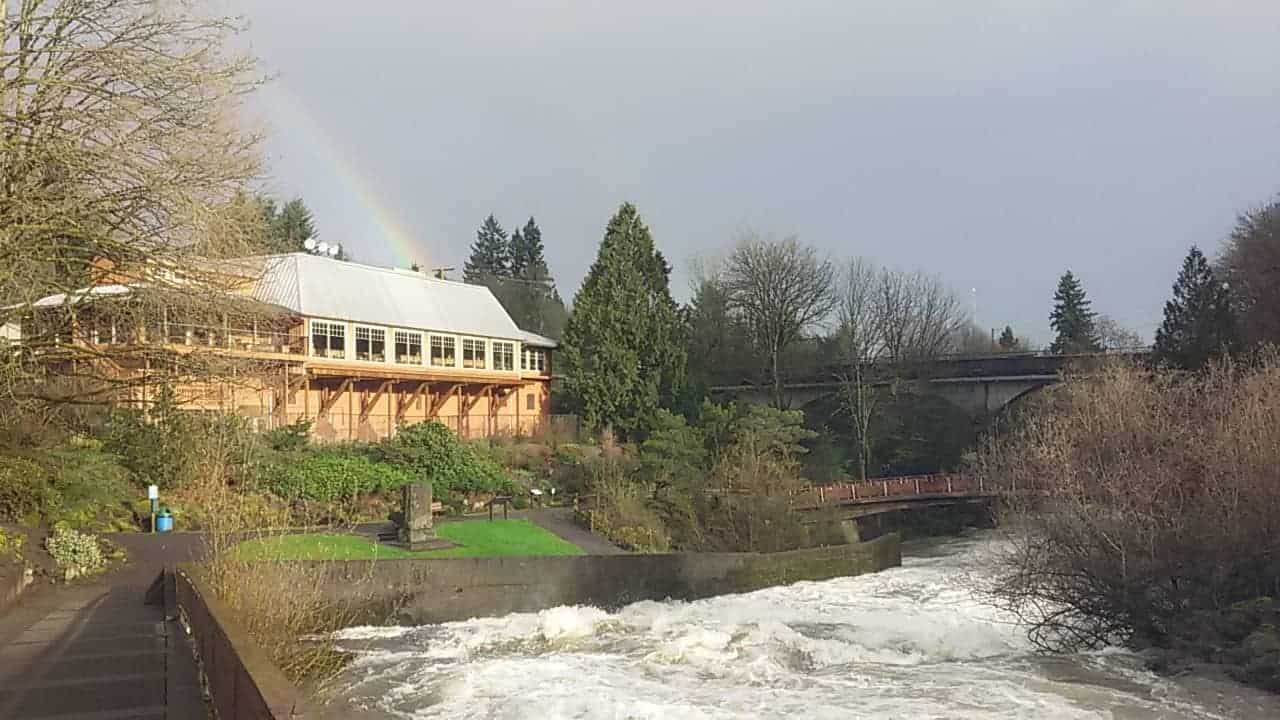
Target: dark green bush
<point>165,445</point>
<point>26,493</point>
<point>290,437</point>
<point>96,491</point>
<point>431,451</point>
<point>327,476</point>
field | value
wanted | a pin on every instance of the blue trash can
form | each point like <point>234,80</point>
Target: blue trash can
<point>164,521</point>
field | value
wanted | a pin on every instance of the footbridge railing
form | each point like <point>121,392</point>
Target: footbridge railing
<point>893,488</point>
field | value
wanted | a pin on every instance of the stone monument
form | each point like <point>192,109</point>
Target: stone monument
<point>416,529</point>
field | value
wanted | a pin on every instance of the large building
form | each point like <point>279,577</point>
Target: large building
<point>355,350</point>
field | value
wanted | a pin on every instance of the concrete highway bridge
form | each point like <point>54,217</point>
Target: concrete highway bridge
<point>981,386</point>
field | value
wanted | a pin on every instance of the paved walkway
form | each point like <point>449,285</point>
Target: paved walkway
<point>96,651</point>
<point>560,521</point>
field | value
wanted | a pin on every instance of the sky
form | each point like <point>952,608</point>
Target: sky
<point>995,143</point>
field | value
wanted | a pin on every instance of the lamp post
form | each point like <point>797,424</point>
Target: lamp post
<point>153,494</point>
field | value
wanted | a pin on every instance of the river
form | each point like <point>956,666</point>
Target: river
<point>910,642</point>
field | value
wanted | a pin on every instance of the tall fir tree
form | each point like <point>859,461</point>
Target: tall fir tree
<point>527,252</point>
<point>516,267</point>
<point>288,226</point>
<point>622,353</point>
<point>529,293</point>
<point>1072,319</point>
<point>718,343</point>
<point>490,254</point>
<point>1198,325</point>
<point>293,226</point>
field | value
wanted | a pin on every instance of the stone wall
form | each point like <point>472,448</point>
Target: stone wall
<point>431,591</point>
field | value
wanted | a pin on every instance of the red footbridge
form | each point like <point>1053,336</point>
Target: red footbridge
<point>882,495</point>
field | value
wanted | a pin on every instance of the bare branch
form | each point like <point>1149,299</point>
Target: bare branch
<point>781,288</point>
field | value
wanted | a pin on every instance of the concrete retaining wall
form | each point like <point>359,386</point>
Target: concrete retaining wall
<point>243,683</point>
<point>13,582</point>
<point>431,591</point>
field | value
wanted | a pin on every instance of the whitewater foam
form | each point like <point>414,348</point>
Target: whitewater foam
<point>912,642</point>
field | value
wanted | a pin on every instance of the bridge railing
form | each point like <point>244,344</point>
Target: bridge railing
<point>895,487</point>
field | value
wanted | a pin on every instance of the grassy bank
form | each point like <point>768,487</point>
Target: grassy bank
<point>474,538</point>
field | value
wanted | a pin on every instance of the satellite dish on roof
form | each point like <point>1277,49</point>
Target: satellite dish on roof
<point>309,244</point>
<point>333,251</point>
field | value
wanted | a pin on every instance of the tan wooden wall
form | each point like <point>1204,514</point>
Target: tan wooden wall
<point>521,412</point>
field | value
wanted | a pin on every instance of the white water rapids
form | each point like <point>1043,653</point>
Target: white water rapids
<point>910,642</point>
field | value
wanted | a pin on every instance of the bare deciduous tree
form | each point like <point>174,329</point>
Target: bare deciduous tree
<point>781,288</point>
<point>1114,336</point>
<point>121,163</point>
<point>919,316</point>
<point>1250,264</point>
<point>888,318</point>
<point>859,335</point>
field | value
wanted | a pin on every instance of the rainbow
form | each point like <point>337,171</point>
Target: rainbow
<point>288,114</point>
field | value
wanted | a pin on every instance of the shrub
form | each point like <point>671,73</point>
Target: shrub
<point>622,513</point>
<point>1147,501</point>
<point>751,508</point>
<point>327,476</point>
<point>76,553</point>
<point>26,493</point>
<point>168,446</point>
<point>96,491</point>
<point>431,451</point>
<point>11,545</point>
<point>290,437</point>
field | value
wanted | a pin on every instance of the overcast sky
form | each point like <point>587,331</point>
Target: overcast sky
<point>994,142</point>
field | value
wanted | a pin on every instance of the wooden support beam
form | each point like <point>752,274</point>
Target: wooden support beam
<point>466,406</point>
<point>330,397</point>
<point>403,402</point>
<point>368,401</point>
<point>473,400</point>
<point>439,400</point>
<point>462,415</point>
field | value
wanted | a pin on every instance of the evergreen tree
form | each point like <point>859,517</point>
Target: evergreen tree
<point>490,255</point>
<point>1008,341</point>
<point>292,227</point>
<point>622,353</point>
<point>516,267</point>
<point>1198,325</point>
<point>288,226</point>
<point>526,251</point>
<point>1072,319</point>
<point>719,345</point>
<point>529,294</point>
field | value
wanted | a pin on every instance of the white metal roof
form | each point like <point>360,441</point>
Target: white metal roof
<point>326,288</point>
<point>79,296</point>
<point>533,339</point>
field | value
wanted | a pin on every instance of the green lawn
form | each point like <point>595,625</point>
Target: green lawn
<point>474,538</point>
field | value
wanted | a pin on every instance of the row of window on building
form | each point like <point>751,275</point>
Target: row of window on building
<point>328,340</point>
